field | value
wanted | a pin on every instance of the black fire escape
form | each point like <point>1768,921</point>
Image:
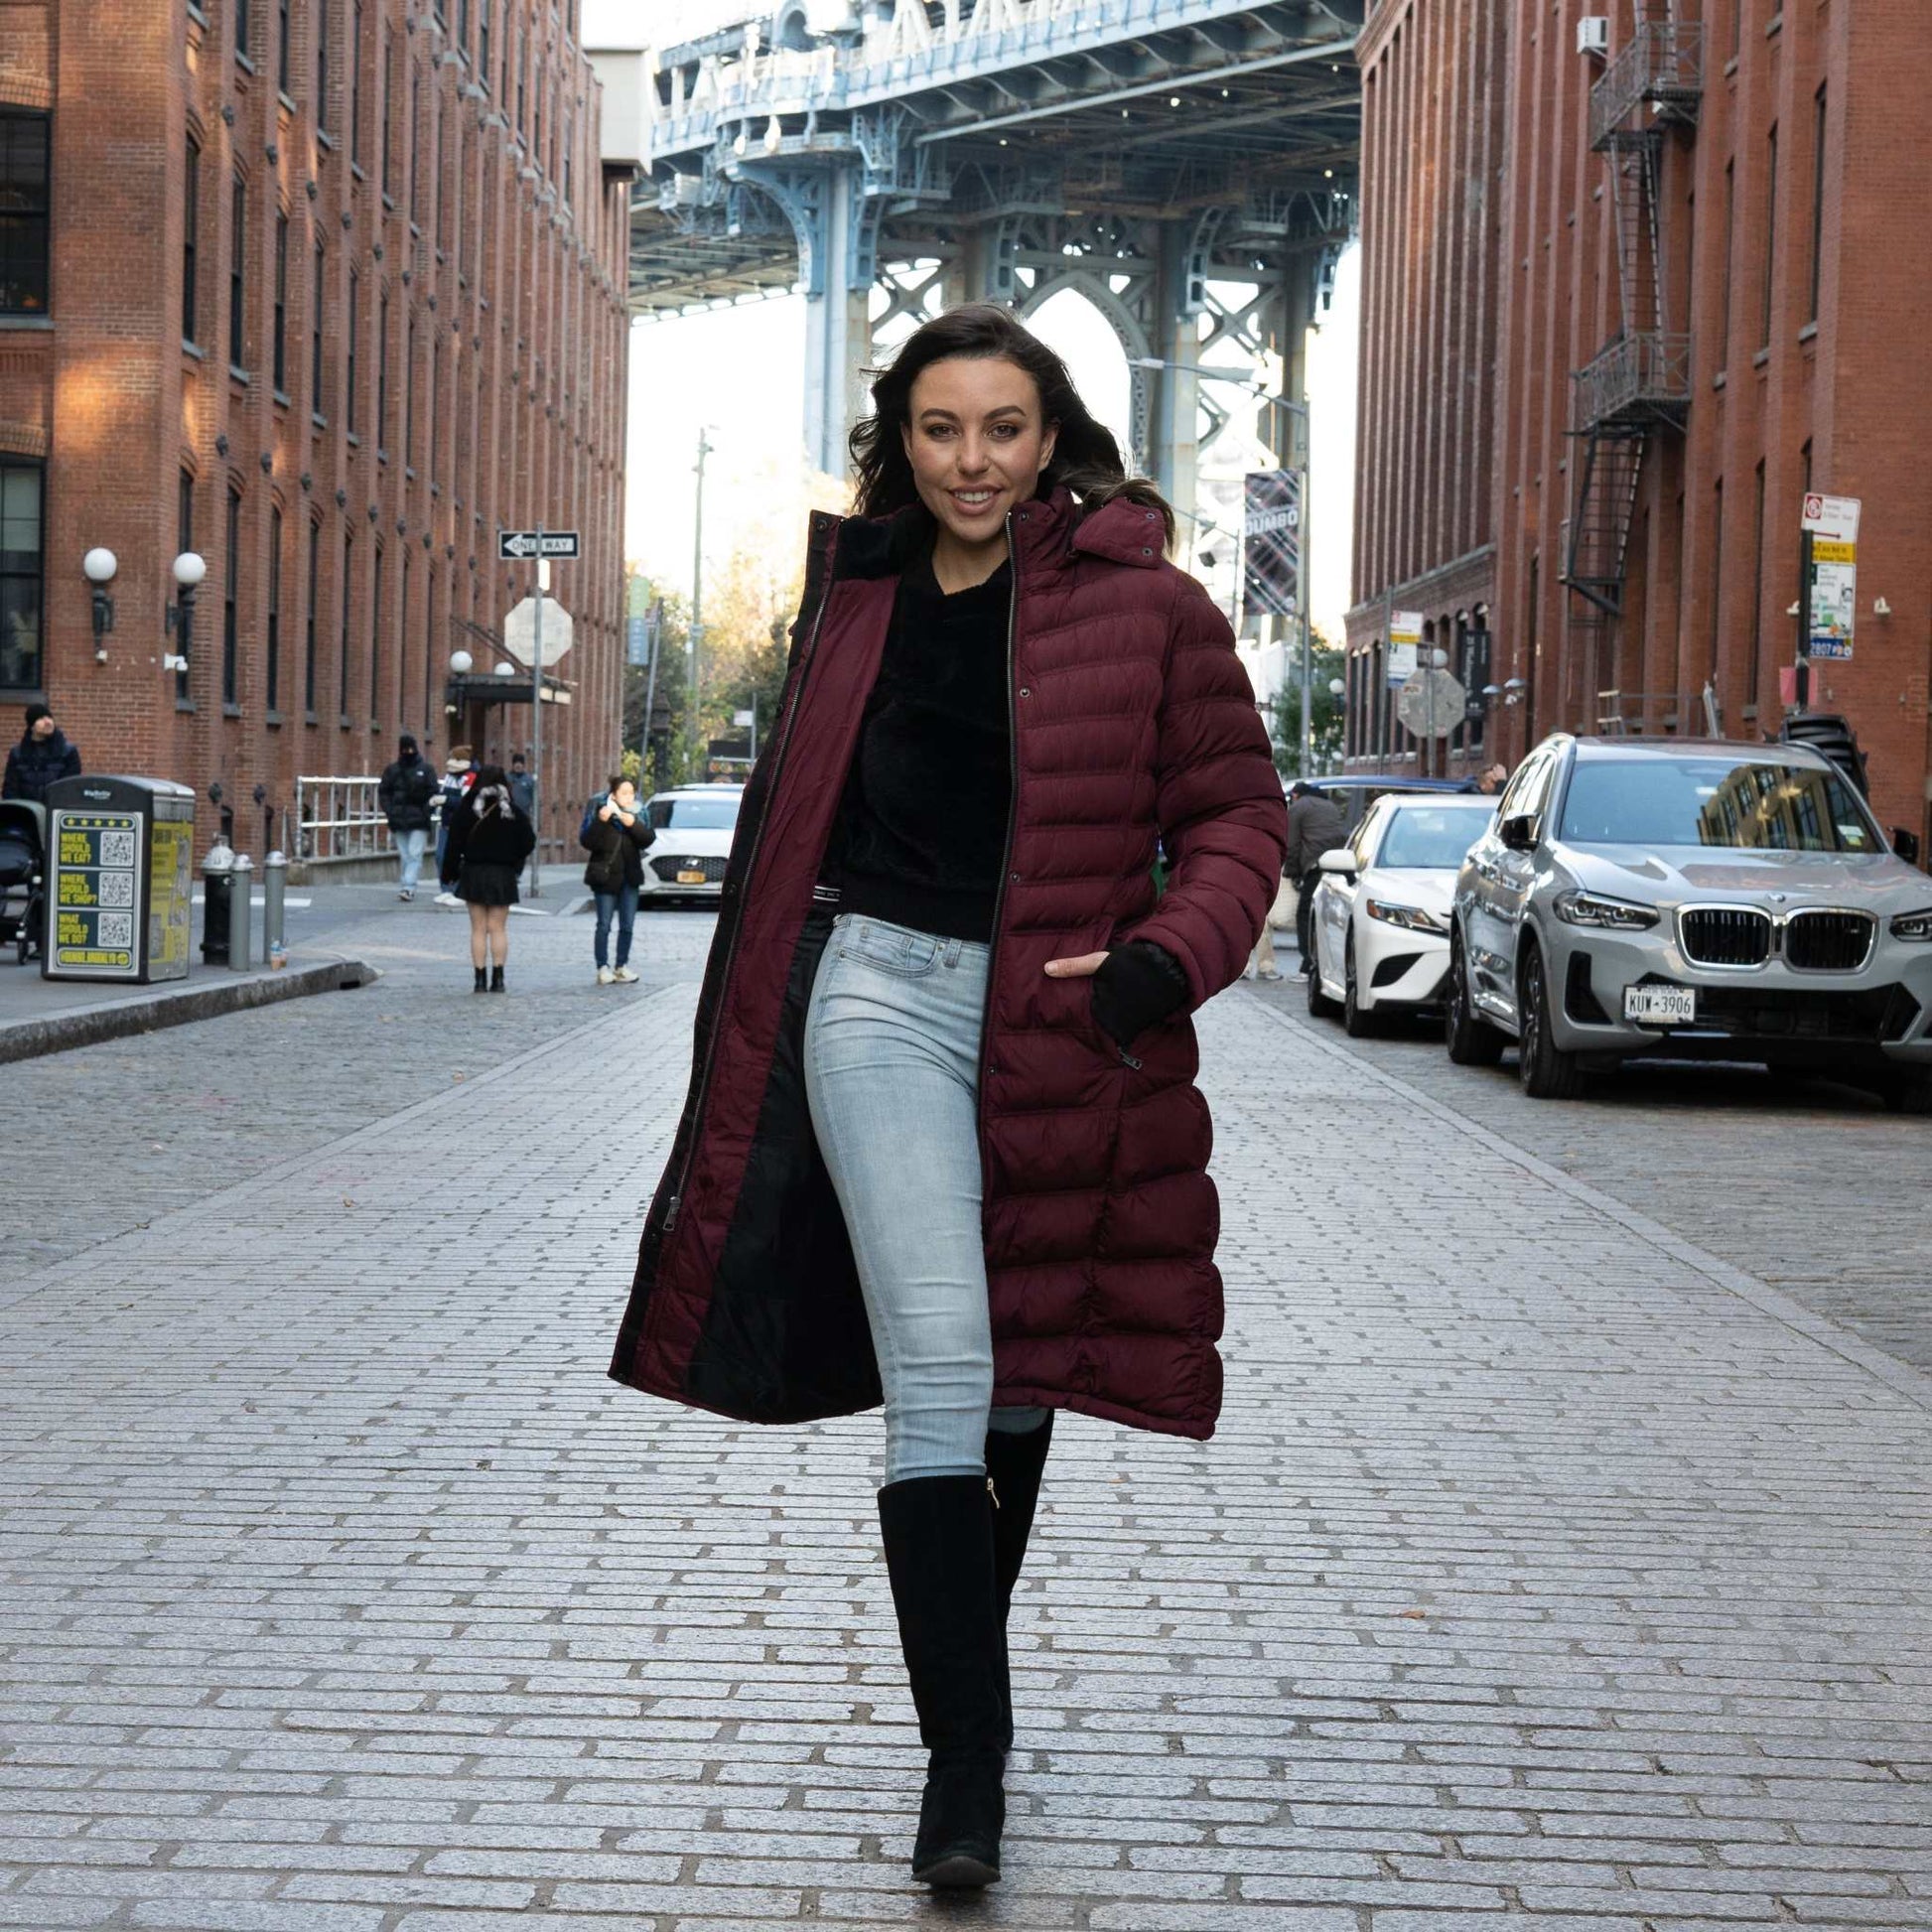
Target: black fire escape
<point>1639,386</point>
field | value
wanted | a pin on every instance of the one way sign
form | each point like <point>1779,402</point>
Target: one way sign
<point>515,546</point>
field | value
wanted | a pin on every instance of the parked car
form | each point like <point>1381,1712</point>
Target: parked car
<point>694,826</point>
<point>1353,793</point>
<point>1381,913</point>
<point>1701,900</point>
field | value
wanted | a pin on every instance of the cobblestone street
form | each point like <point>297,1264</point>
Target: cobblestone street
<point>1558,1558</point>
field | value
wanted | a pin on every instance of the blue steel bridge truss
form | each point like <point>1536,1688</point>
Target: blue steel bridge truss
<point>1188,165</point>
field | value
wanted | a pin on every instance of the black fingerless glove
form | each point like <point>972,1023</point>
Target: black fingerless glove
<point>1140,985</point>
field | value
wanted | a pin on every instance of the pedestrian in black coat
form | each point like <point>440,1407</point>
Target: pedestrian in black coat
<point>1315,826</point>
<point>42,755</point>
<point>490,843</point>
<point>405,794</point>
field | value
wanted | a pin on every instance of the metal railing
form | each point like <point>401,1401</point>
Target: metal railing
<point>1661,65</point>
<point>1641,377</point>
<point>1651,713</point>
<point>338,818</point>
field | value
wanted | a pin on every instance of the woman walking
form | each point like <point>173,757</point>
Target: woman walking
<point>615,836</point>
<point>942,1144</point>
<point>491,841</point>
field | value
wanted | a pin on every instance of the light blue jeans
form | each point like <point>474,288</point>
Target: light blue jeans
<point>410,844</point>
<point>892,1073</point>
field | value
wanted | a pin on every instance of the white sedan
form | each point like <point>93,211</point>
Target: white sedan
<point>1382,906</point>
<point>694,825</point>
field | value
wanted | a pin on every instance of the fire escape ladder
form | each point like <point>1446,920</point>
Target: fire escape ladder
<point>1600,533</point>
<point>1640,382</point>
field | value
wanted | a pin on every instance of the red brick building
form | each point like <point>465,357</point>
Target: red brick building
<point>1706,247</point>
<point>326,290</point>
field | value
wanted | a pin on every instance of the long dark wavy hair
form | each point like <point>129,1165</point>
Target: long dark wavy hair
<point>1086,459</point>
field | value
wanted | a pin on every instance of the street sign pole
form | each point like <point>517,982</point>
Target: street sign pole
<point>1802,683</point>
<point>1308,636</point>
<point>536,726</point>
<point>653,631</point>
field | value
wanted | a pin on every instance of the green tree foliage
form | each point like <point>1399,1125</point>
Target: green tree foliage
<point>1284,713</point>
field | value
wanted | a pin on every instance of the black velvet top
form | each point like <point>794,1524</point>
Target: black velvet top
<point>920,835</point>
<point>922,824</point>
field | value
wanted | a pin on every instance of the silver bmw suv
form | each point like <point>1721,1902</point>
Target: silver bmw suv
<point>1701,900</point>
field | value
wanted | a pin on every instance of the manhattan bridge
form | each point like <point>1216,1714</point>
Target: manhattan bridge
<point>1186,165</point>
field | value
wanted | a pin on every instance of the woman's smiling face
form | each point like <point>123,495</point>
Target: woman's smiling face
<point>976,443</point>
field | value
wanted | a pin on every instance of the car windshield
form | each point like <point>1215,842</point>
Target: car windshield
<point>713,813</point>
<point>1716,801</point>
<point>1430,838</point>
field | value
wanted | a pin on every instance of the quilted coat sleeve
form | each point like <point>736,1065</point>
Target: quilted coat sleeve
<point>1217,800</point>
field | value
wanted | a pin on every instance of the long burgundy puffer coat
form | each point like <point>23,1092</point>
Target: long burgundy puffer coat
<point>1131,715</point>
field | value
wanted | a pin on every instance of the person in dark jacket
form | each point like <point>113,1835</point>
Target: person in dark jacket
<point>615,836</point>
<point>42,755</point>
<point>523,788</point>
<point>407,790</point>
<point>1315,826</point>
<point>491,841</point>
<point>942,1143</point>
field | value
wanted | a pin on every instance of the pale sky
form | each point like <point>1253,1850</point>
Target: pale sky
<point>739,373</point>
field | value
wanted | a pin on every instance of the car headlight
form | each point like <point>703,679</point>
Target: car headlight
<point>1912,925</point>
<point>1412,917</point>
<point>1607,914</point>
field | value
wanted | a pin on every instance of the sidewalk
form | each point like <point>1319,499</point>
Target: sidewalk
<point>41,1016</point>
<point>1545,1568</point>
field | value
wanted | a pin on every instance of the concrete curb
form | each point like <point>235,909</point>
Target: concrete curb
<point>155,1007</point>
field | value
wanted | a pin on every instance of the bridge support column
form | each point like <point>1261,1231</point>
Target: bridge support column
<point>838,322</point>
<point>1175,426</point>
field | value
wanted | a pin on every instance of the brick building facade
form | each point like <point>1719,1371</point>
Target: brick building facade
<point>1706,251</point>
<point>326,290</point>
<point>1424,510</point>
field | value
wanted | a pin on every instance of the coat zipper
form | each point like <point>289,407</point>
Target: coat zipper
<point>1013,810</point>
<point>751,866</point>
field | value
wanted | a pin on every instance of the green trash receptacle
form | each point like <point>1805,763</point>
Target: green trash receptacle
<point>119,879</point>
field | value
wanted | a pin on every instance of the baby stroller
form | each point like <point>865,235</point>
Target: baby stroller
<point>22,875</point>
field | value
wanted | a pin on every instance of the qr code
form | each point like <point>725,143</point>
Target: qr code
<point>117,849</point>
<point>118,889</point>
<point>117,929</point>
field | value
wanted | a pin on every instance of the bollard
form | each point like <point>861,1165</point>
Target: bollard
<point>242,955</point>
<point>275,880</point>
<point>217,892</point>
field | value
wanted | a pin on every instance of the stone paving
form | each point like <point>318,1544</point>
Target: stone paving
<point>1811,1186</point>
<point>228,1098</point>
<point>1546,1568</point>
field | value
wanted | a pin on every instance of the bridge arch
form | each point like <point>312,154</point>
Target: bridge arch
<point>1092,287</point>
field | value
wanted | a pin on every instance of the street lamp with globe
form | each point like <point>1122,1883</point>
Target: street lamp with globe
<point>98,567</point>
<point>188,570</point>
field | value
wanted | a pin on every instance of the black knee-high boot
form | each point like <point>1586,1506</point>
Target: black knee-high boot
<point>939,1535</point>
<point>1013,1464</point>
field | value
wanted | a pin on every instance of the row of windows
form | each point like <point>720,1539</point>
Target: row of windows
<point>280,680</point>
<point>1769,280</point>
<point>351,344</point>
<point>475,39</point>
